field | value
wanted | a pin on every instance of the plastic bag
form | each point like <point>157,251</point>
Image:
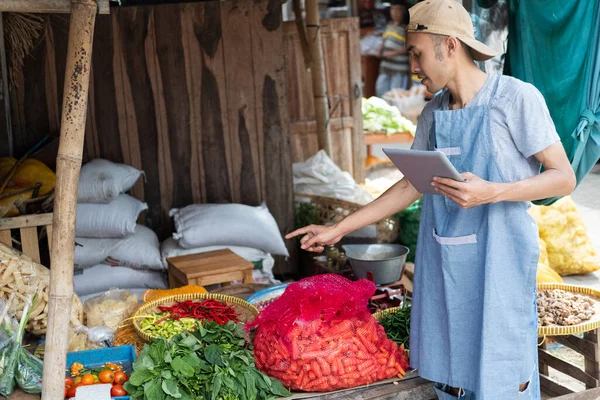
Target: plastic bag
<point>320,176</point>
<point>319,336</point>
<point>110,308</point>
<point>570,250</point>
<point>17,365</point>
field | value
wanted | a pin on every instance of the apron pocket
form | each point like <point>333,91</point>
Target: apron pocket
<point>461,268</point>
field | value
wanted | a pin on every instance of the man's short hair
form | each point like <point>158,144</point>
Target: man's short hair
<point>437,44</point>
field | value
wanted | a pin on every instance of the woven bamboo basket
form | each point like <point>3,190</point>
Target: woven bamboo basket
<point>556,330</point>
<point>331,210</point>
<point>246,311</point>
<point>380,314</point>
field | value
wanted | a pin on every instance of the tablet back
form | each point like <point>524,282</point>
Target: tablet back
<point>419,167</point>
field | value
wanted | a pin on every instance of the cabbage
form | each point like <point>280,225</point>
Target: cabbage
<point>379,116</point>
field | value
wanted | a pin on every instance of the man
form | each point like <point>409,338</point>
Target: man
<point>394,69</point>
<point>474,319</point>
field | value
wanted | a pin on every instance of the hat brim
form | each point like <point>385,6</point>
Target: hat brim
<point>479,51</point>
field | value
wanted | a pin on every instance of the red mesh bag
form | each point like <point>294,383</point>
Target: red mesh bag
<point>319,336</point>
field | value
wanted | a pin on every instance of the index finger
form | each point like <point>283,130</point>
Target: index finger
<point>447,182</point>
<point>297,232</point>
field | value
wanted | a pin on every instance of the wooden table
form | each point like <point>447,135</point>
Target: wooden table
<point>412,387</point>
<point>221,266</point>
<point>588,347</point>
<point>372,138</point>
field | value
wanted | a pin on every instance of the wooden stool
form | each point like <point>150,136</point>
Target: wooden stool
<point>588,346</point>
<point>221,266</point>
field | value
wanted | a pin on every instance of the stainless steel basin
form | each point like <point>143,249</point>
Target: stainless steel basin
<point>384,261</point>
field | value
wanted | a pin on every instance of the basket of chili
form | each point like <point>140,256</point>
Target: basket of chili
<point>198,306</point>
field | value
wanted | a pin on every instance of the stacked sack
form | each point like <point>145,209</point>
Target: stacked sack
<point>111,249</point>
<point>250,232</point>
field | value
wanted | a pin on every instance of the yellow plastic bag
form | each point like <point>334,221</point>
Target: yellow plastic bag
<point>570,250</point>
<point>544,272</point>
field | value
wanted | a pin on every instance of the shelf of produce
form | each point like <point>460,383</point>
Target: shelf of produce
<point>372,138</point>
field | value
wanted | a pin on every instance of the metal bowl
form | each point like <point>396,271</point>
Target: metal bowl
<point>384,261</point>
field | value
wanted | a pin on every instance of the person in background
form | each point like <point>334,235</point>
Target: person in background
<point>394,70</point>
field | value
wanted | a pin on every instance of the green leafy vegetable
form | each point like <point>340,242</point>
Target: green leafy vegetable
<point>379,116</point>
<point>212,363</point>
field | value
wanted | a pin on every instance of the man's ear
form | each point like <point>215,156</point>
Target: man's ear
<point>453,45</point>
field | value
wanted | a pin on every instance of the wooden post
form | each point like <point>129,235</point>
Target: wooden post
<point>68,165</point>
<point>317,70</point>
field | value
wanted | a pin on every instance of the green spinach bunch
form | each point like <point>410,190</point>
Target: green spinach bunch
<point>212,363</point>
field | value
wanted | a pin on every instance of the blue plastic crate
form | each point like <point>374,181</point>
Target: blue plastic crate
<point>124,355</point>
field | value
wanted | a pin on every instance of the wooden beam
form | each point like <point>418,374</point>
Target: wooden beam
<point>68,165</point>
<point>592,365</point>
<point>583,346</point>
<point>553,388</point>
<point>26,221</point>
<point>567,368</point>
<point>317,70</point>
<point>46,6</point>
<point>5,90</point>
<point>592,394</point>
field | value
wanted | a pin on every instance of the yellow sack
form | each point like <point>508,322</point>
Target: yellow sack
<point>544,272</point>
<point>570,250</point>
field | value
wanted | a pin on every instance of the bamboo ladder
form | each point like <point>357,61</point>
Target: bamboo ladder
<point>68,164</point>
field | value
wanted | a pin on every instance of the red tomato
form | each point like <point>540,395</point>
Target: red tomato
<point>73,390</point>
<point>118,390</point>
<point>68,381</point>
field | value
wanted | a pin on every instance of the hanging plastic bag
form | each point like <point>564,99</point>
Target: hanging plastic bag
<point>17,365</point>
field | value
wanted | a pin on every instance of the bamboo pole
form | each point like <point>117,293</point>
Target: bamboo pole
<point>68,165</point>
<point>318,75</point>
<point>302,33</point>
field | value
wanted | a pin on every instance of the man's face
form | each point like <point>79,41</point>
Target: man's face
<point>428,60</point>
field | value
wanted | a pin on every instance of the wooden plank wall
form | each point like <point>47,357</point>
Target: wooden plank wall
<point>193,94</point>
<point>341,51</point>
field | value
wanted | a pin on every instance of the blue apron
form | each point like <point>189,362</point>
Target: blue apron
<point>474,317</point>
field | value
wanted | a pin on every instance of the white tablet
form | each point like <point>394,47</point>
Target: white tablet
<point>420,167</point>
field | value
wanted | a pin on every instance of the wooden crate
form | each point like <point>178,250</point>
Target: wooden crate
<point>589,375</point>
<point>221,266</point>
<point>27,225</point>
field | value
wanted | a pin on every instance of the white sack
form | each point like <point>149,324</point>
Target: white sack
<point>102,277</point>
<point>101,181</point>
<point>202,225</point>
<point>140,250</point>
<point>116,219</point>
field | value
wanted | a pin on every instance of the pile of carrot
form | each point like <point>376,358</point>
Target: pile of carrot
<point>321,356</point>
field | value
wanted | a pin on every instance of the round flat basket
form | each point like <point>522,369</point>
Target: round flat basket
<point>380,314</point>
<point>245,310</point>
<point>589,325</point>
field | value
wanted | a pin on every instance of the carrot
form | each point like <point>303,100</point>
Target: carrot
<point>367,343</point>
<point>400,370</point>
<point>392,361</point>
<point>301,375</point>
<point>350,361</point>
<point>314,366</point>
<point>333,381</point>
<point>317,382</point>
<point>359,344</point>
<point>325,368</point>
<point>365,364</point>
<point>306,367</point>
<point>352,376</point>
<point>350,368</point>
<point>312,355</point>
<point>340,329</point>
<point>367,371</point>
<point>312,375</point>
<point>281,348</point>
<point>305,381</point>
<point>363,356</point>
<point>334,367</point>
